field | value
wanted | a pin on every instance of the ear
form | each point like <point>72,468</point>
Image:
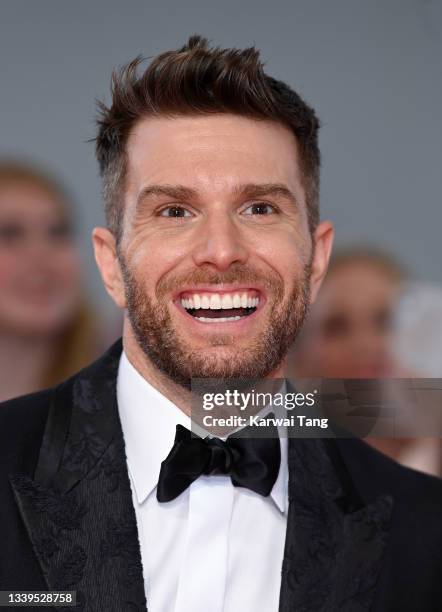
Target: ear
<point>107,261</point>
<point>322,244</point>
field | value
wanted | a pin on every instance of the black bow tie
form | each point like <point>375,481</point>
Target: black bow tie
<point>251,462</point>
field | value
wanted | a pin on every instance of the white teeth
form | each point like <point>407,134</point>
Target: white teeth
<point>218,320</point>
<point>227,301</point>
<point>215,302</point>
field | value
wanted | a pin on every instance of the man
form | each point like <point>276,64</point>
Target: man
<point>214,249</point>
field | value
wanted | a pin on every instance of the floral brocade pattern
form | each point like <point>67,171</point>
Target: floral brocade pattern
<point>79,514</point>
<point>332,558</point>
<point>90,538</point>
<point>82,525</point>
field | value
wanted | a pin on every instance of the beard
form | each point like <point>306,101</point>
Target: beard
<point>163,345</point>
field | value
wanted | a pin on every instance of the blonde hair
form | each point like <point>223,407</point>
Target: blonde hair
<point>76,345</point>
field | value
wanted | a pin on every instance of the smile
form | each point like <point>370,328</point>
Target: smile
<point>220,307</point>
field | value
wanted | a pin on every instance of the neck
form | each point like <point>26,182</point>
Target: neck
<point>177,394</point>
<point>162,383</point>
<point>24,362</point>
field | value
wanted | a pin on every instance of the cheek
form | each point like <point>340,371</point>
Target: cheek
<point>152,260</point>
<point>66,265</point>
<point>66,278</point>
<point>10,269</point>
<point>287,253</point>
<point>334,350</point>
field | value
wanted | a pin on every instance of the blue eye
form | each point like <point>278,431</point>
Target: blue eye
<point>260,208</point>
<point>175,212</point>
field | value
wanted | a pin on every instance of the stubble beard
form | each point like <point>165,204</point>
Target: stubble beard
<point>163,345</point>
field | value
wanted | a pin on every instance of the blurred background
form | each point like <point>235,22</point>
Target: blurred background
<point>372,70</point>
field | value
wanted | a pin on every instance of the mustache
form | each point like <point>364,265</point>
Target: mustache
<point>273,282</point>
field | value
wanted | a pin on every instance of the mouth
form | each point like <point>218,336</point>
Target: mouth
<point>211,307</point>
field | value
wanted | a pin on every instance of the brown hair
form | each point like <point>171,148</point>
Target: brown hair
<point>384,261</point>
<point>194,80</point>
<point>18,172</point>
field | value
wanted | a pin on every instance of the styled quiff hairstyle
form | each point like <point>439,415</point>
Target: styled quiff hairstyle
<point>199,80</point>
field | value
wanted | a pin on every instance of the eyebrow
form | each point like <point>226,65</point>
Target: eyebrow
<point>261,190</point>
<point>249,190</point>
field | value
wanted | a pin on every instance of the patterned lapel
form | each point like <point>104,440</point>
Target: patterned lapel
<point>335,540</point>
<point>78,507</point>
<point>79,515</point>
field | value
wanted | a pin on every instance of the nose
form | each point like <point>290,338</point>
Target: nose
<point>369,348</point>
<point>220,243</point>
<point>39,246</point>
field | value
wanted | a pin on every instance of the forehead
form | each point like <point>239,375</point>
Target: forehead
<point>359,286</point>
<point>212,153</point>
<point>28,199</point>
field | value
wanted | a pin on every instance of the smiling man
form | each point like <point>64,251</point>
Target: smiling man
<point>214,249</point>
<point>214,258</point>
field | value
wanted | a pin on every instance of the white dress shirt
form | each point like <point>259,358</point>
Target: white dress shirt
<point>215,547</point>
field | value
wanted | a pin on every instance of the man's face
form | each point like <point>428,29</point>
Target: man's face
<point>215,255</point>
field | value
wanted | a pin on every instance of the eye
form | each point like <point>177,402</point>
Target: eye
<point>260,208</point>
<point>11,233</point>
<point>60,232</point>
<point>175,212</point>
<point>336,326</point>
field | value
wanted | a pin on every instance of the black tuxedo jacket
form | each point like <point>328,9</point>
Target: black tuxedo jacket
<point>363,533</point>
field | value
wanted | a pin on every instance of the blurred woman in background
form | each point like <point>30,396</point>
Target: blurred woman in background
<point>348,332</point>
<point>47,330</point>
<point>353,333</point>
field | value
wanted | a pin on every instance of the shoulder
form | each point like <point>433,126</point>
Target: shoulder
<point>374,474</point>
<point>22,415</point>
<point>412,563</point>
<point>377,473</point>
<point>22,422</point>
<point>23,419</point>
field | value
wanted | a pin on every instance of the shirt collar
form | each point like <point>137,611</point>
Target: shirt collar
<point>149,420</point>
<point>280,488</point>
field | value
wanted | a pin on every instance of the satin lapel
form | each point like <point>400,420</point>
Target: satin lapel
<point>78,508</point>
<point>335,541</point>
